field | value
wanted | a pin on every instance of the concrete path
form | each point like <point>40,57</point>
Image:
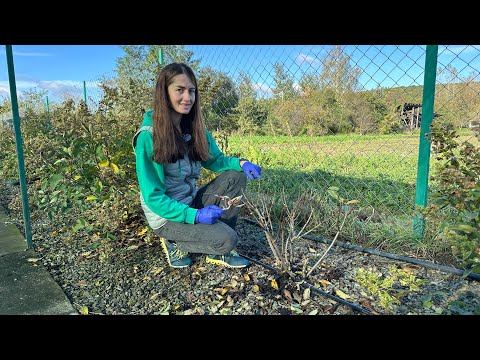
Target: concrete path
<point>26,286</point>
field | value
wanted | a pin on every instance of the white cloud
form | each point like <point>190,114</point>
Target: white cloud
<point>17,53</point>
<point>302,58</point>
<point>4,91</point>
<point>262,89</point>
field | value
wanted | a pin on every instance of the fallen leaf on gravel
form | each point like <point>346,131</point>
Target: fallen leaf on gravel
<point>274,284</point>
<point>33,259</point>
<point>366,304</point>
<point>295,307</point>
<point>297,297</point>
<point>233,284</point>
<point>288,295</point>
<point>313,312</point>
<point>306,294</point>
<point>200,311</point>
<point>188,312</point>
<point>156,270</point>
<point>256,288</point>
<point>312,250</point>
<point>324,283</point>
<point>341,294</point>
<point>143,231</point>
<point>246,277</point>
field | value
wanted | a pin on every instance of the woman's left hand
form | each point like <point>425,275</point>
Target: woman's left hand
<point>252,170</point>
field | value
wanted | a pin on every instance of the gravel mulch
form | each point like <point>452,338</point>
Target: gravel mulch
<point>132,277</point>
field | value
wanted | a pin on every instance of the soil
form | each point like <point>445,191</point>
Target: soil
<point>131,276</point>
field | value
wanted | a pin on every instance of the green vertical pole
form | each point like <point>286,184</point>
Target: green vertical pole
<point>46,104</point>
<point>160,56</point>
<point>19,145</point>
<point>85,93</point>
<point>424,147</point>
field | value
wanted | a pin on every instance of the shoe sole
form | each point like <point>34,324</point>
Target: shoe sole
<point>220,262</point>
<point>165,251</point>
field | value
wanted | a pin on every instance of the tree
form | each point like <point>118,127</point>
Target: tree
<point>283,83</point>
<point>218,96</point>
<point>337,73</point>
<point>250,114</point>
<point>137,71</point>
<point>140,62</point>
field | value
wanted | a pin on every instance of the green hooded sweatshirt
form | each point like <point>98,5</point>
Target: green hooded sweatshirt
<point>168,190</point>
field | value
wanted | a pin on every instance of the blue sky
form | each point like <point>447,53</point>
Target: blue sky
<point>62,68</point>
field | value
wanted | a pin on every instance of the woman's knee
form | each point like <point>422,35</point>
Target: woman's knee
<point>224,241</point>
<point>237,177</point>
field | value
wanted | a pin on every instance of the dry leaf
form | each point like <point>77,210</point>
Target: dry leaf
<point>246,277</point>
<point>297,297</point>
<point>288,295</point>
<point>324,283</point>
<point>256,288</point>
<point>274,284</point>
<point>341,294</point>
<point>141,232</point>
<point>313,312</point>
<point>366,304</point>
<point>306,294</point>
<point>33,260</point>
<point>312,250</point>
<point>200,311</point>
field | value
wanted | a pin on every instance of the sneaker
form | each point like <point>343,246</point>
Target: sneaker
<point>232,260</point>
<point>176,258</point>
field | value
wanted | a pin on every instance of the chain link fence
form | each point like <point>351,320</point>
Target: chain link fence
<point>320,116</point>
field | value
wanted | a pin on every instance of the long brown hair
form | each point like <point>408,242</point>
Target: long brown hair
<point>166,145</point>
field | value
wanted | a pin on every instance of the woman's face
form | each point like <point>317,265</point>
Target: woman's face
<point>181,93</point>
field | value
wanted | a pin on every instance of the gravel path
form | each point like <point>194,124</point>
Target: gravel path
<point>131,276</point>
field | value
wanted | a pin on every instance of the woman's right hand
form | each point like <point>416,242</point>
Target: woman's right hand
<point>208,215</point>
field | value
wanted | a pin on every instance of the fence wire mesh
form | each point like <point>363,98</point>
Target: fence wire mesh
<point>311,116</point>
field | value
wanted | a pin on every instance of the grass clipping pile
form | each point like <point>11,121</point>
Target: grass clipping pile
<point>133,277</point>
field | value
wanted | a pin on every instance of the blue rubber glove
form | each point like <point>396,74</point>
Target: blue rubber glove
<point>209,214</point>
<point>253,171</point>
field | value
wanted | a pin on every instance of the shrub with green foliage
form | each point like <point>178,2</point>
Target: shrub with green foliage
<point>456,203</point>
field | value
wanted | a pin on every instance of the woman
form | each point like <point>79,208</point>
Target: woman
<point>170,147</point>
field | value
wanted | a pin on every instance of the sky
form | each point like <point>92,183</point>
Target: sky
<point>63,68</point>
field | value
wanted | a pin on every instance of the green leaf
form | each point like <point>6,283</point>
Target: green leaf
<point>79,224</point>
<point>54,180</point>
<point>471,215</point>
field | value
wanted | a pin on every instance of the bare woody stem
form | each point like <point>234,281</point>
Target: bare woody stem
<point>330,246</point>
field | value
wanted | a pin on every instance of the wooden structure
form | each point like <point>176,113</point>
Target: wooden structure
<point>410,115</point>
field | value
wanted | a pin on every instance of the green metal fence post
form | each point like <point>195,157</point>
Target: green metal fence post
<point>424,146</point>
<point>84,92</point>
<point>160,57</point>
<point>19,146</point>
